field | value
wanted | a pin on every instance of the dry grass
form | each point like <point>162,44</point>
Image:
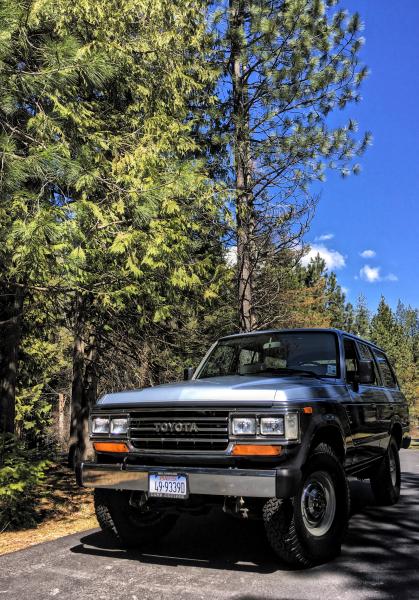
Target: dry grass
<point>63,509</point>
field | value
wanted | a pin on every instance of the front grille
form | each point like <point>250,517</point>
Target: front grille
<point>181,430</point>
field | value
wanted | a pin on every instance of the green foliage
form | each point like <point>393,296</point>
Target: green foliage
<point>398,334</point>
<point>106,203</point>
<point>44,364</point>
<point>361,325</point>
<point>21,472</point>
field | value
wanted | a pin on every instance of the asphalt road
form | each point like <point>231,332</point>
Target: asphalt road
<point>219,557</point>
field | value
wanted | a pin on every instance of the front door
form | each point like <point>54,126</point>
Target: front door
<point>362,408</point>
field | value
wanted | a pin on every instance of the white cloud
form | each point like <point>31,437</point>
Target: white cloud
<point>332,258</point>
<point>372,275</point>
<point>325,237</point>
<point>231,256</point>
<point>345,290</point>
<point>368,253</point>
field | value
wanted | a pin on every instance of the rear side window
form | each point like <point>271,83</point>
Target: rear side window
<point>385,369</point>
<point>366,354</point>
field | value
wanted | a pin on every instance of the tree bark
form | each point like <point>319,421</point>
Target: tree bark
<point>89,395</point>
<point>84,383</point>
<point>242,167</point>
<point>76,393</point>
<point>10,336</point>
<point>61,414</point>
<point>144,372</point>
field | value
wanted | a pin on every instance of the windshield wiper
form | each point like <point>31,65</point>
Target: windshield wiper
<point>285,370</point>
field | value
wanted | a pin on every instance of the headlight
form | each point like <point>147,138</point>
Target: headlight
<point>272,426</point>
<point>100,425</point>
<point>291,426</point>
<point>119,426</point>
<point>244,426</point>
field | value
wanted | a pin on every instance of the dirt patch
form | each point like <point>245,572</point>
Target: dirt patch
<point>63,509</point>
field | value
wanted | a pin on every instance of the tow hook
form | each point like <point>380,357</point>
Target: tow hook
<point>236,506</point>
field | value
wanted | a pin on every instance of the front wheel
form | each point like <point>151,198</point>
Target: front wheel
<point>308,529</point>
<point>385,482</point>
<point>120,518</point>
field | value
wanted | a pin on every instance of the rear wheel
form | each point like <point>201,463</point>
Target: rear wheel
<point>385,482</point>
<point>308,529</point>
<point>120,518</point>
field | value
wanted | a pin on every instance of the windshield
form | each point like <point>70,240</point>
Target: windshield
<point>310,353</point>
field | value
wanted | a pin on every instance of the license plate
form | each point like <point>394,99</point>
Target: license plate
<point>165,485</point>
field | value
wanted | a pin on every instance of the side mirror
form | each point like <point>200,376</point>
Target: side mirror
<point>188,373</point>
<point>365,371</point>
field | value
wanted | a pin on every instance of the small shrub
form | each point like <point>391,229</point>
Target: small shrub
<point>21,472</point>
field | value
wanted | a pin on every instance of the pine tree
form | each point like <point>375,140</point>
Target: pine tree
<point>362,318</point>
<point>107,207</point>
<point>286,66</point>
<point>144,208</point>
<point>288,294</point>
<point>335,306</point>
<point>397,334</point>
<point>408,368</point>
<point>349,318</point>
<point>42,72</point>
<point>384,329</point>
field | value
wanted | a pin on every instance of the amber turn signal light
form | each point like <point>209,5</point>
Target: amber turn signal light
<point>110,447</point>
<point>256,450</point>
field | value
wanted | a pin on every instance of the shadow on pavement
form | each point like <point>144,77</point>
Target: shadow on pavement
<point>214,541</point>
<point>381,549</point>
<point>380,553</point>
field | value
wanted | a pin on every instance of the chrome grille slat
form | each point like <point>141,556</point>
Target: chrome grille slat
<point>206,429</point>
<point>174,439</point>
<point>175,418</point>
<point>212,434</point>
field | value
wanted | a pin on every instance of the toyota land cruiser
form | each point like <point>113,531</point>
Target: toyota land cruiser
<point>270,424</point>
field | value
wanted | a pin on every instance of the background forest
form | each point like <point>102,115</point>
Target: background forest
<point>156,167</point>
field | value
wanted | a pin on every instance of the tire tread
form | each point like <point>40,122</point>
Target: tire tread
<point>385,494</point>
<point>278,516</point>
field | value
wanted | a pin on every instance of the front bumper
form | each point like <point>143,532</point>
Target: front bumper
<point>252,483</point>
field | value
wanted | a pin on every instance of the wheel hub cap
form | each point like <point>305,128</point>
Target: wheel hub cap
<point>318,503</point>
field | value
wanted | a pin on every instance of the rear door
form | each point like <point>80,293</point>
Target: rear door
<point>391,399</point>
<point>376,394</point>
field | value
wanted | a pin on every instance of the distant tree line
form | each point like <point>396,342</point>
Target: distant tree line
<point>156,162</point>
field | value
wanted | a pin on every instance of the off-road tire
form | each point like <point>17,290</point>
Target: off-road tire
<point>120,520</point>
<point>385,482</point>
<point>286,527</point>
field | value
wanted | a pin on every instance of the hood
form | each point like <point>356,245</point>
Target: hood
<point>231,389</point>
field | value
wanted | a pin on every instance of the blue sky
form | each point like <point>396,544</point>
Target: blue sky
<point>378,210</point>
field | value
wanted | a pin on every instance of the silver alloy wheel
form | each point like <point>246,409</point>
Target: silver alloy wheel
<point>318,503</point>
<point>393,466</point>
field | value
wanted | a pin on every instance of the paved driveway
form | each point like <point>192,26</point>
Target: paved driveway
<point>219,557</point>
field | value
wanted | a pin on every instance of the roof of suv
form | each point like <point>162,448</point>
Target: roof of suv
<point>303,330</point>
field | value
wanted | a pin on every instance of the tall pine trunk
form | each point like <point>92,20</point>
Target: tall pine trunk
<point>84,386</point>
<point>243,168</point>
<point>10,336</point>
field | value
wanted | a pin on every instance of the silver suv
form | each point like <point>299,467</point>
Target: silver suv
<point>269,425</point>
